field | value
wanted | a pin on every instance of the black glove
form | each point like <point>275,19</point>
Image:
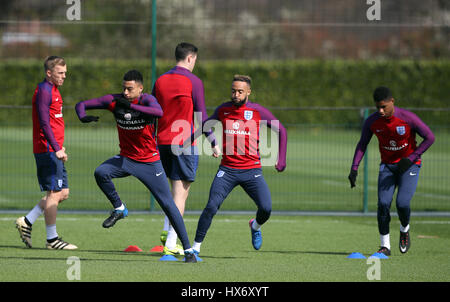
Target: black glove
<point>404,165</point>
<point>122,103</point>
<point>352,178</point>
<point>89,118</point>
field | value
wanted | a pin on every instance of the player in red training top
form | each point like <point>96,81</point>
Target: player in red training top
<point>49,153</point>
<point>135,114</point>
<point>181,96</point>
<point>241,161</point>
<point>396,131</point>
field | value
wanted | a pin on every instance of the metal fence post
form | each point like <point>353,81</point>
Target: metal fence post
<point>366,171</point>
<point>152,199</point>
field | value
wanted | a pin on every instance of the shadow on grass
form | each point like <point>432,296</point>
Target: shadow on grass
<point>79,252</point>
<point>307,252</point>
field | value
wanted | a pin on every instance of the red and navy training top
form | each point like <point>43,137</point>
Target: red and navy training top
<point>47,116</point>
<point>180,94</point>
<point>135,126</point>
<point>396,137</point>
<point>240,134</point>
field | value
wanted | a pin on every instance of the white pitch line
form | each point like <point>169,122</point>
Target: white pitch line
<point>6,200</point>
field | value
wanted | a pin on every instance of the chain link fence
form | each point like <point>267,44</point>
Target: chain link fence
<point>250,33</point>
<point>318,163</point>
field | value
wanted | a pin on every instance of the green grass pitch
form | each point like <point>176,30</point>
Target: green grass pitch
<point>315,179</point>
<point>295,248</point>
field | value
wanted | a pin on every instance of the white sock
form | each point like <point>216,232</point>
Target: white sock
<point>51,231</point>
<point>172,237</point>
<point>196,246</point>
<point>121,208</point>
<point>255,225</point>
<point>34,214</point>
<point>404,229</point>
<point>385,241</point>
<point>166,224</point>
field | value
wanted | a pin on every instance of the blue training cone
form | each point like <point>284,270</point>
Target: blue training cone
<point>379,256</point>
<point>356,256</point>
<point>168,258</point>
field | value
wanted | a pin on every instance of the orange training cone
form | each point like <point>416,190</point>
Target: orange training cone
<point>157,249</point>
<point>132,248</point>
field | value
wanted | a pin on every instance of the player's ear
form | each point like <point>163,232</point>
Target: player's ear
<point>189,58</point>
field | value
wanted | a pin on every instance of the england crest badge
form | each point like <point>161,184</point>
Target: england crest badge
<point>248,114</point>
<point>401,130</point>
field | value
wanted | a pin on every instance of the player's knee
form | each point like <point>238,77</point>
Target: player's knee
<point>64,196</point>
<point>100,174</point>
<point>383,207</point>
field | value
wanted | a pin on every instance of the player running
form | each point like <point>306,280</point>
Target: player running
<point>50,155</point>
<point>135,113</point>
<point>180,94</point>
<point>396,130</point>
<point>241,161</point>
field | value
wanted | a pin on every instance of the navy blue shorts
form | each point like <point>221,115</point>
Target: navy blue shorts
<point>179,167</point>
<point>51,172</point>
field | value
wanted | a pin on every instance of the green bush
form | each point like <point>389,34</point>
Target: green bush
<point>307,83</point>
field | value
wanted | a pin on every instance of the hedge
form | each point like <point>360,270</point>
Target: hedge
<point>275,84</point>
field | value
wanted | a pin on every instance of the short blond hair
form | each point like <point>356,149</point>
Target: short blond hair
<point>243,78</point>
<point>52,61</point>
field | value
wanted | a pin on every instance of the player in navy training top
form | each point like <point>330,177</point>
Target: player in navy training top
<point>241,161</point>
<point>135,113</point>
<point>396,130</point>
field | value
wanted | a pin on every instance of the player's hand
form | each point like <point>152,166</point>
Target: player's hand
<point>89,118</point>
<point>352,178</point>
<point>122,102</point>
<point>280,167</point>
<point>216,151</point>
<point>403,165</point>
<point>61,154</point>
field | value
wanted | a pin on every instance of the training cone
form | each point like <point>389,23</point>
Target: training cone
<point>356,256</point>
<point>379,256</point>
<point>132,248</point>
<point>157,249</point>
<point>168,258</point>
